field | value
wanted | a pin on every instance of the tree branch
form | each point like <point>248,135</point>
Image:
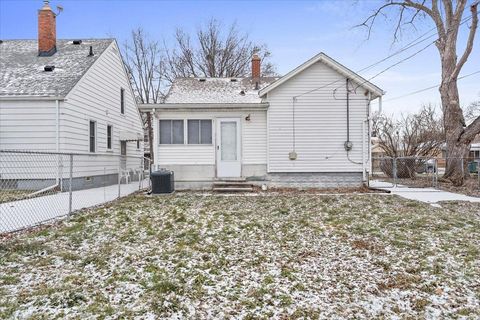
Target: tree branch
<point>471,38</point>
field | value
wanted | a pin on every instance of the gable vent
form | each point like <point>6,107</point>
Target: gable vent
<point>202,80</point>
<point>49,68</point>
<point>77,41</point>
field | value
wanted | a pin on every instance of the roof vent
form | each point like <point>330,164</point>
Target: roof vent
<point>77,41</point>
<point>202,80</point>
<point>90,53</point>
<point>233,80</point>
<point>49,68</point>
<point>1,41</point>
<point>242,93</point>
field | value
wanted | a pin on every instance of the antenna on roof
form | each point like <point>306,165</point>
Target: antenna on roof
<point>59,10</point>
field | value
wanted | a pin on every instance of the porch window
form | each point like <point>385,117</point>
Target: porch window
<point>171,132</point>
<point>199,131</point>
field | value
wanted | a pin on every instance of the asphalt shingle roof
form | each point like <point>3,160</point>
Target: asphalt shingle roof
<point>22,70</point>
<point>216,90</point>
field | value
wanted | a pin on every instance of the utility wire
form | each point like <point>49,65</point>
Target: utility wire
<point>408,46</point>
<point>432,87</point>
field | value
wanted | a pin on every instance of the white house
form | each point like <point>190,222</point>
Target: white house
<point>310,127</point>
<point>67,96</point>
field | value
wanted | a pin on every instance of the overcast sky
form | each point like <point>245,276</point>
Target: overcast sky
<point>293,30</point>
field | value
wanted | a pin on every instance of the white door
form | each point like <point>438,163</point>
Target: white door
<point>228,148</point>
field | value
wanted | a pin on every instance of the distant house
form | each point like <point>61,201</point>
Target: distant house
<point>68,96</point>
<point>308,128</point>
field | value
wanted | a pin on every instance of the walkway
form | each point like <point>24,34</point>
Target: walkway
<point>21,214</point>
<point>428,195</point>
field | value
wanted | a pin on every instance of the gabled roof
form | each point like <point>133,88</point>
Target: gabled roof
<point>216,90</point>
<point>322,57</point>
<point>22,70</point>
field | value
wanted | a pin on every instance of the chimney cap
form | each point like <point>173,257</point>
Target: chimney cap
<point>46,5</point>
<point>255,57</point>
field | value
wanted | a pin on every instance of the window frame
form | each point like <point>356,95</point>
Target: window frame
<point>171,132</point>
<point>109,148</point>
<point>122,100</point>
<point>90,144</point>
<point>199,132</point>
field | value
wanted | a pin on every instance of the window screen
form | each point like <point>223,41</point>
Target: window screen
<point>171,132</point>
<point>122,100</point>
<point>199,131</point>
<point>109,137</point>
<point>92,136</point>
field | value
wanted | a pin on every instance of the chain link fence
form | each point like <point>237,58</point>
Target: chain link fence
<point>420,172</point>
<point>37,187</point>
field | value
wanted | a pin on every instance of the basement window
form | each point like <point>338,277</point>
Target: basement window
<point>171,132</point>
<point>199,131</point>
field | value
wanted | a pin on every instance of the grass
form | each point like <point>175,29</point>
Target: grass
<point>7,195</point>
<point>291,255</point>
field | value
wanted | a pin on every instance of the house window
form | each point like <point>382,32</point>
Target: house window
<point>123,148</point>
<point>109,137</point>
<point>199,131</point>
<point>138,144</point>
<point>171,132</point>
<point>92,135</point>
<point>122,101</point>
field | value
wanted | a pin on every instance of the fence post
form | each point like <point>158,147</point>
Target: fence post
<point>394,171</point>
<point>70,195</point>
<point>119,175</point>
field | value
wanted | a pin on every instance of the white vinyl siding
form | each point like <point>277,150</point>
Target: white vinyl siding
<point>320,123</point>
<point>28,125</point>
<point>97,97</point>
<point>253,139</point>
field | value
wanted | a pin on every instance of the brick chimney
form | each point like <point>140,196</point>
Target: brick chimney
<point>256,67</point>
<point>47,38</point>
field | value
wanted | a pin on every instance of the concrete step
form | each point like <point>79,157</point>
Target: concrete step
<point>232,189</point>
<point>231,184</point>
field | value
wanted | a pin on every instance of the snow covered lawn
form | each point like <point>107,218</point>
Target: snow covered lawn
<point>282,256</point>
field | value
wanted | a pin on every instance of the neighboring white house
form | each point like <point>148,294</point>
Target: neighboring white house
<point>68,96</point>
<point>310,127</point>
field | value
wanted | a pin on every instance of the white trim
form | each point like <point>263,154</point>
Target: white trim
<point>199,106</point>
<point>322,57</point>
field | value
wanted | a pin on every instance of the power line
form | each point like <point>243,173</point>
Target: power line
<point>408,46</point>
<point>429,88</point>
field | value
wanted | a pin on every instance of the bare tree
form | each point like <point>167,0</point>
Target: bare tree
<point>447,21</point>
<point>472,111</point>
<point>145,65</point>
<point>418,135</point>
<point>414,135</point>
<point>215,51</point>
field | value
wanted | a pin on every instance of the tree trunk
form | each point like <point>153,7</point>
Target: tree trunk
<point>456,150</point>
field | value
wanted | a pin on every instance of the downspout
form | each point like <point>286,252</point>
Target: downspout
<point>57,138</point>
